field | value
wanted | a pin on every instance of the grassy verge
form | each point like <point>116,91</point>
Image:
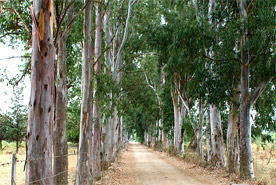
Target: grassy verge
<point>6,156</point>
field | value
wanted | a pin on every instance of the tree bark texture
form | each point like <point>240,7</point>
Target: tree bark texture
<point>114,132</point>
<point>218,150</point>
<point>199,131</point>
<point>84,168</point>
<point>233,137</point>
<point>208,139</point>
<point>176,121</point>
<point>107,127</point>
<point>60,137</point>
<point>96,106</point>
<point>41,107</point>
<point>106,144</point>
<point>246,160</point>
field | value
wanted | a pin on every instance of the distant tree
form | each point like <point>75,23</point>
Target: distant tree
<point>13,123</point>
<point>5,128</point>
<point>19,115</point>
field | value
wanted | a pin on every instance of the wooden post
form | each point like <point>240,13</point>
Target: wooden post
<point>13,170</point>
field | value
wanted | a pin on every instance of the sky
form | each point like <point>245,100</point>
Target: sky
<point>12,68</point>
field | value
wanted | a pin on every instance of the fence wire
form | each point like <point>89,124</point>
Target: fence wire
<point>38,159</point>
<point>53,157</point>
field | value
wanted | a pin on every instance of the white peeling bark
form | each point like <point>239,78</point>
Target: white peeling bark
<point>107,127</point>
<point>114,138</point>
<point>208,139</point>
<point>84,167</point>
<point>199,131</point>
<point>176,121</point>
<point>218,150</point>
<point>233,137</point>
<point>96,107</point>
<point>118,57</point>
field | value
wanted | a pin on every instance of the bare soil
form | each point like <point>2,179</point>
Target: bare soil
<point>143,166</point>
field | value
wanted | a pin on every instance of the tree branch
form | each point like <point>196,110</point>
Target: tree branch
<point>220,60</point>
<point>75,17</point>
<point>14,57</point>
<point>154,89</point>
<point>183,101</point>
<point>24,73</point>
<point>253,96</point>
<point>10,33</point>
<point>250,7</point>
<point>118,57</point>
<point>250,61</point>
<point>25,25</point>
<point>62,19</point>
<point>71,83</point>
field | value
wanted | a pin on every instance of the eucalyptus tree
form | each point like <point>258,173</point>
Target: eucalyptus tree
<point>62,31</point>
<point>183,62</point>
<point>224,63</point>
<point>254,24</point>
<point>107,126</point>
<point>235,38</point>
<point>41,107</point>
<point>154,81</point>
<point>117,23</point>
<point>84,167</point>
<point>141,105</point>
<point>96,107</point>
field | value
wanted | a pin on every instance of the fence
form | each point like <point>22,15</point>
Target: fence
<point>13,172</point>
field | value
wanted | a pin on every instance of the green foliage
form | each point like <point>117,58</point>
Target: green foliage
<point>13,124</point>
<point>259,142</point>
<point>15,22</point>
<point>265,107</point>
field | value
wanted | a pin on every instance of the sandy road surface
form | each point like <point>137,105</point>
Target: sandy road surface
<point>140,165</point>
<point>150,169</point>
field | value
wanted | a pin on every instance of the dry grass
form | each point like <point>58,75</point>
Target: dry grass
<point>265,170</point>
<point>5,171</point>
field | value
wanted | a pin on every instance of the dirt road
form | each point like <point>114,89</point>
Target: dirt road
<point>140,165</point>
<point>150,169</point>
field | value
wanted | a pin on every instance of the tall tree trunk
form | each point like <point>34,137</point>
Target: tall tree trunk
<point>247,99</point>
<point>120,134</point>
<point>208,139</point>
<point>181,133</point>
<point>106,144</point>
<point>218,150</point>
<point>17,136</point>
<point>41,107</point>
<point>60,137</point>
<point>176,121</point>
<point>114,137</point>
<point>84,168</point>
<point>246,160</point>
<point>233,137</point>
<point>199,131</point>
<point>107,127</point>
<point>96,106</point>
